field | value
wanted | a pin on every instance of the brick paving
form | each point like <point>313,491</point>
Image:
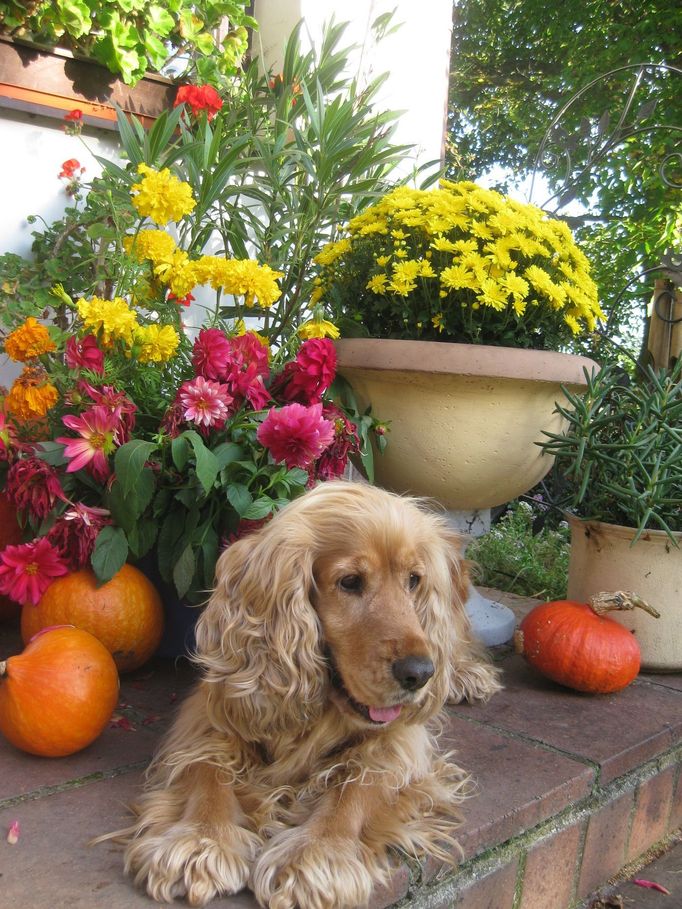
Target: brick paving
<point>570,789</point>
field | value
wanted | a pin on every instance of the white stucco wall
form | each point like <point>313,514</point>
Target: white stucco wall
<point>416,57</point>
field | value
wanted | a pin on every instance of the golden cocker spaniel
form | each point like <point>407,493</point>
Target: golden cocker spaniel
<point>334,635</point>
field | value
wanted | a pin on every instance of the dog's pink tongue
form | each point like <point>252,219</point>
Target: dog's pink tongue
<point>384,714</point>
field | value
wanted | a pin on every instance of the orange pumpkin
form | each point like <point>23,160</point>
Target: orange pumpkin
<point>10,535</point>
<point>577,645</point>
<point>125,614</point>
<point>58,695</point>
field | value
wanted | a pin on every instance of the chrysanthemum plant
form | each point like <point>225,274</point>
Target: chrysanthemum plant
<point>458,263</point>
<point>135,426</point>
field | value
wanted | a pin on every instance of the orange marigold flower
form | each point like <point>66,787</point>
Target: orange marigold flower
<point>31,395</point>
<point>29,340</point>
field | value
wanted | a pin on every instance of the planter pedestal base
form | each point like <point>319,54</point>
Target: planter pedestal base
<point>491,622</point>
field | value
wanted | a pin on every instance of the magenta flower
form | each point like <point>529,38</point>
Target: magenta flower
<point>312,372</point>
<point>296,434</point>
<point>97,429</point>
<point>27,570</point>
<point>116,402</point>
<point>84,354</point>
<point>75,532</point>
<point>346,441</point>
<point>246,370</point>
<point>33,485</point>
<point>204,402</point>
<point>210,353</point>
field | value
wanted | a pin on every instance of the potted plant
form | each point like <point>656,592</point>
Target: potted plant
<point>618,474</point>
<point>453,303</point>
<point>176,387</point>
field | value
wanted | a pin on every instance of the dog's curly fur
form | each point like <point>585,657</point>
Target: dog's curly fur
<point>275,775</point>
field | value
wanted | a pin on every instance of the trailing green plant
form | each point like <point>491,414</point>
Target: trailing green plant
<point>619,459</point>
<point>517,557</point>
<point>133,37</point>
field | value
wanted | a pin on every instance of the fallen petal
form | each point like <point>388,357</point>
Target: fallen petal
<point>651,885</point>
<point>13,833</point>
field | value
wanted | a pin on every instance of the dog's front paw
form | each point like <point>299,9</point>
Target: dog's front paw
<point>298,869</point>
<point>474,681</point>
<point>185,861</point>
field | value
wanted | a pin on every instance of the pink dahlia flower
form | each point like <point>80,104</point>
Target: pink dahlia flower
<point>96,428</point>
<point>312,372</point>
<point>84,354</point>
<point>296,434</point>
<point>205,403</point>
<point>334,459</point>
<point>211,353</point>
<point>33,485</point>
<point>75,532</point>
<point>116,402</point>
<point>27,570</point>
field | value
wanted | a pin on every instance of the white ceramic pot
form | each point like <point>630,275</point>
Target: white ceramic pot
<point>604,558</point>
<point>464,418</point>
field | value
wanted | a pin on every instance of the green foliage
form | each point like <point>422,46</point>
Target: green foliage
<point>620,458</point>
<point>513,68</point>
<point>133,37</point>
<point>515,557</point>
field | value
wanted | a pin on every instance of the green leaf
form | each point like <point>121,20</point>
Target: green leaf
<point>52,453</point>
<point>259,509</point>
<point>179,452</point>
<point>110,553</point>
<point>159,19</point>
<point>227,452</point>
<point>239,498</point>
<point>184,569</point>
<point>129,462</point>
<point>142,537</point>
<point>207,466</point>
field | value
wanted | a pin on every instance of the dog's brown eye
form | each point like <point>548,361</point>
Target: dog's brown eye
<point>414,580</point>
<point>351,583</point>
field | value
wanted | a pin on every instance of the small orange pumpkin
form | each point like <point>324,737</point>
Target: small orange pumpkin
<point>578,645</point>
<point>125,614</point>
<point>57,696</point>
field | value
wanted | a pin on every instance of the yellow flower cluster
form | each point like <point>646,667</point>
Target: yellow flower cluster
<point>161,196</point>
<point>173,267</point>
<point>114,320</point>
<point>454,256</point>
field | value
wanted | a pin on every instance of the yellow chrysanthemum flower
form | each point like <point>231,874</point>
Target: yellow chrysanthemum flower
<point>156,343</point>
<point>318,328</point>
<point>161,196</point>
<point>110,320</point>
<point>332,251</point>
<point>377,284</point>
<point>28,341</point>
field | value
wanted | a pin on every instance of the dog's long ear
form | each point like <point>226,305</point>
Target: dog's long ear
<point>258,640</point>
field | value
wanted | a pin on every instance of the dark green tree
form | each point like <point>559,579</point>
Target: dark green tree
<point>613,165</point>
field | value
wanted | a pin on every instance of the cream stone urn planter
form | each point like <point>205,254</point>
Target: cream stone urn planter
<point>603,557</point>
<point>464,418</point>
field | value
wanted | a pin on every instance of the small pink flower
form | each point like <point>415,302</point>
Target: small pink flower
<point>84,354</point>
<point>210,353</point>
<point>114,401</point>
<point>33,485</point>
<point>296,434</point>
<point>205,403</point>
<point>312,372</point>
<point>27,570</point>
<point>97,429</point>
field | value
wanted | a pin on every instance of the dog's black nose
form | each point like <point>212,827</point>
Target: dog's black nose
<point>413,672</point>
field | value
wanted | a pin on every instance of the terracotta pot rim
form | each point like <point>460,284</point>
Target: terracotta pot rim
<point>442,357</point>
<point>620,530</point>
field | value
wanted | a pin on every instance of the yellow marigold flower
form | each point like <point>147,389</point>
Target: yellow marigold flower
<point>257,283</point>
<point>156,343</point>
<point>156,245</point>
<point>28,341</point>
<point>318,328</point>
<point>31,395</point>
<point>110,320</point>
<point>161,196</point>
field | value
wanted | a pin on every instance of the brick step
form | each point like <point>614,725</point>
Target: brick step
<point>570,789</point>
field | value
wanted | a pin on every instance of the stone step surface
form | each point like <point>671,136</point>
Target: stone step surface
<point>570,790</point>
